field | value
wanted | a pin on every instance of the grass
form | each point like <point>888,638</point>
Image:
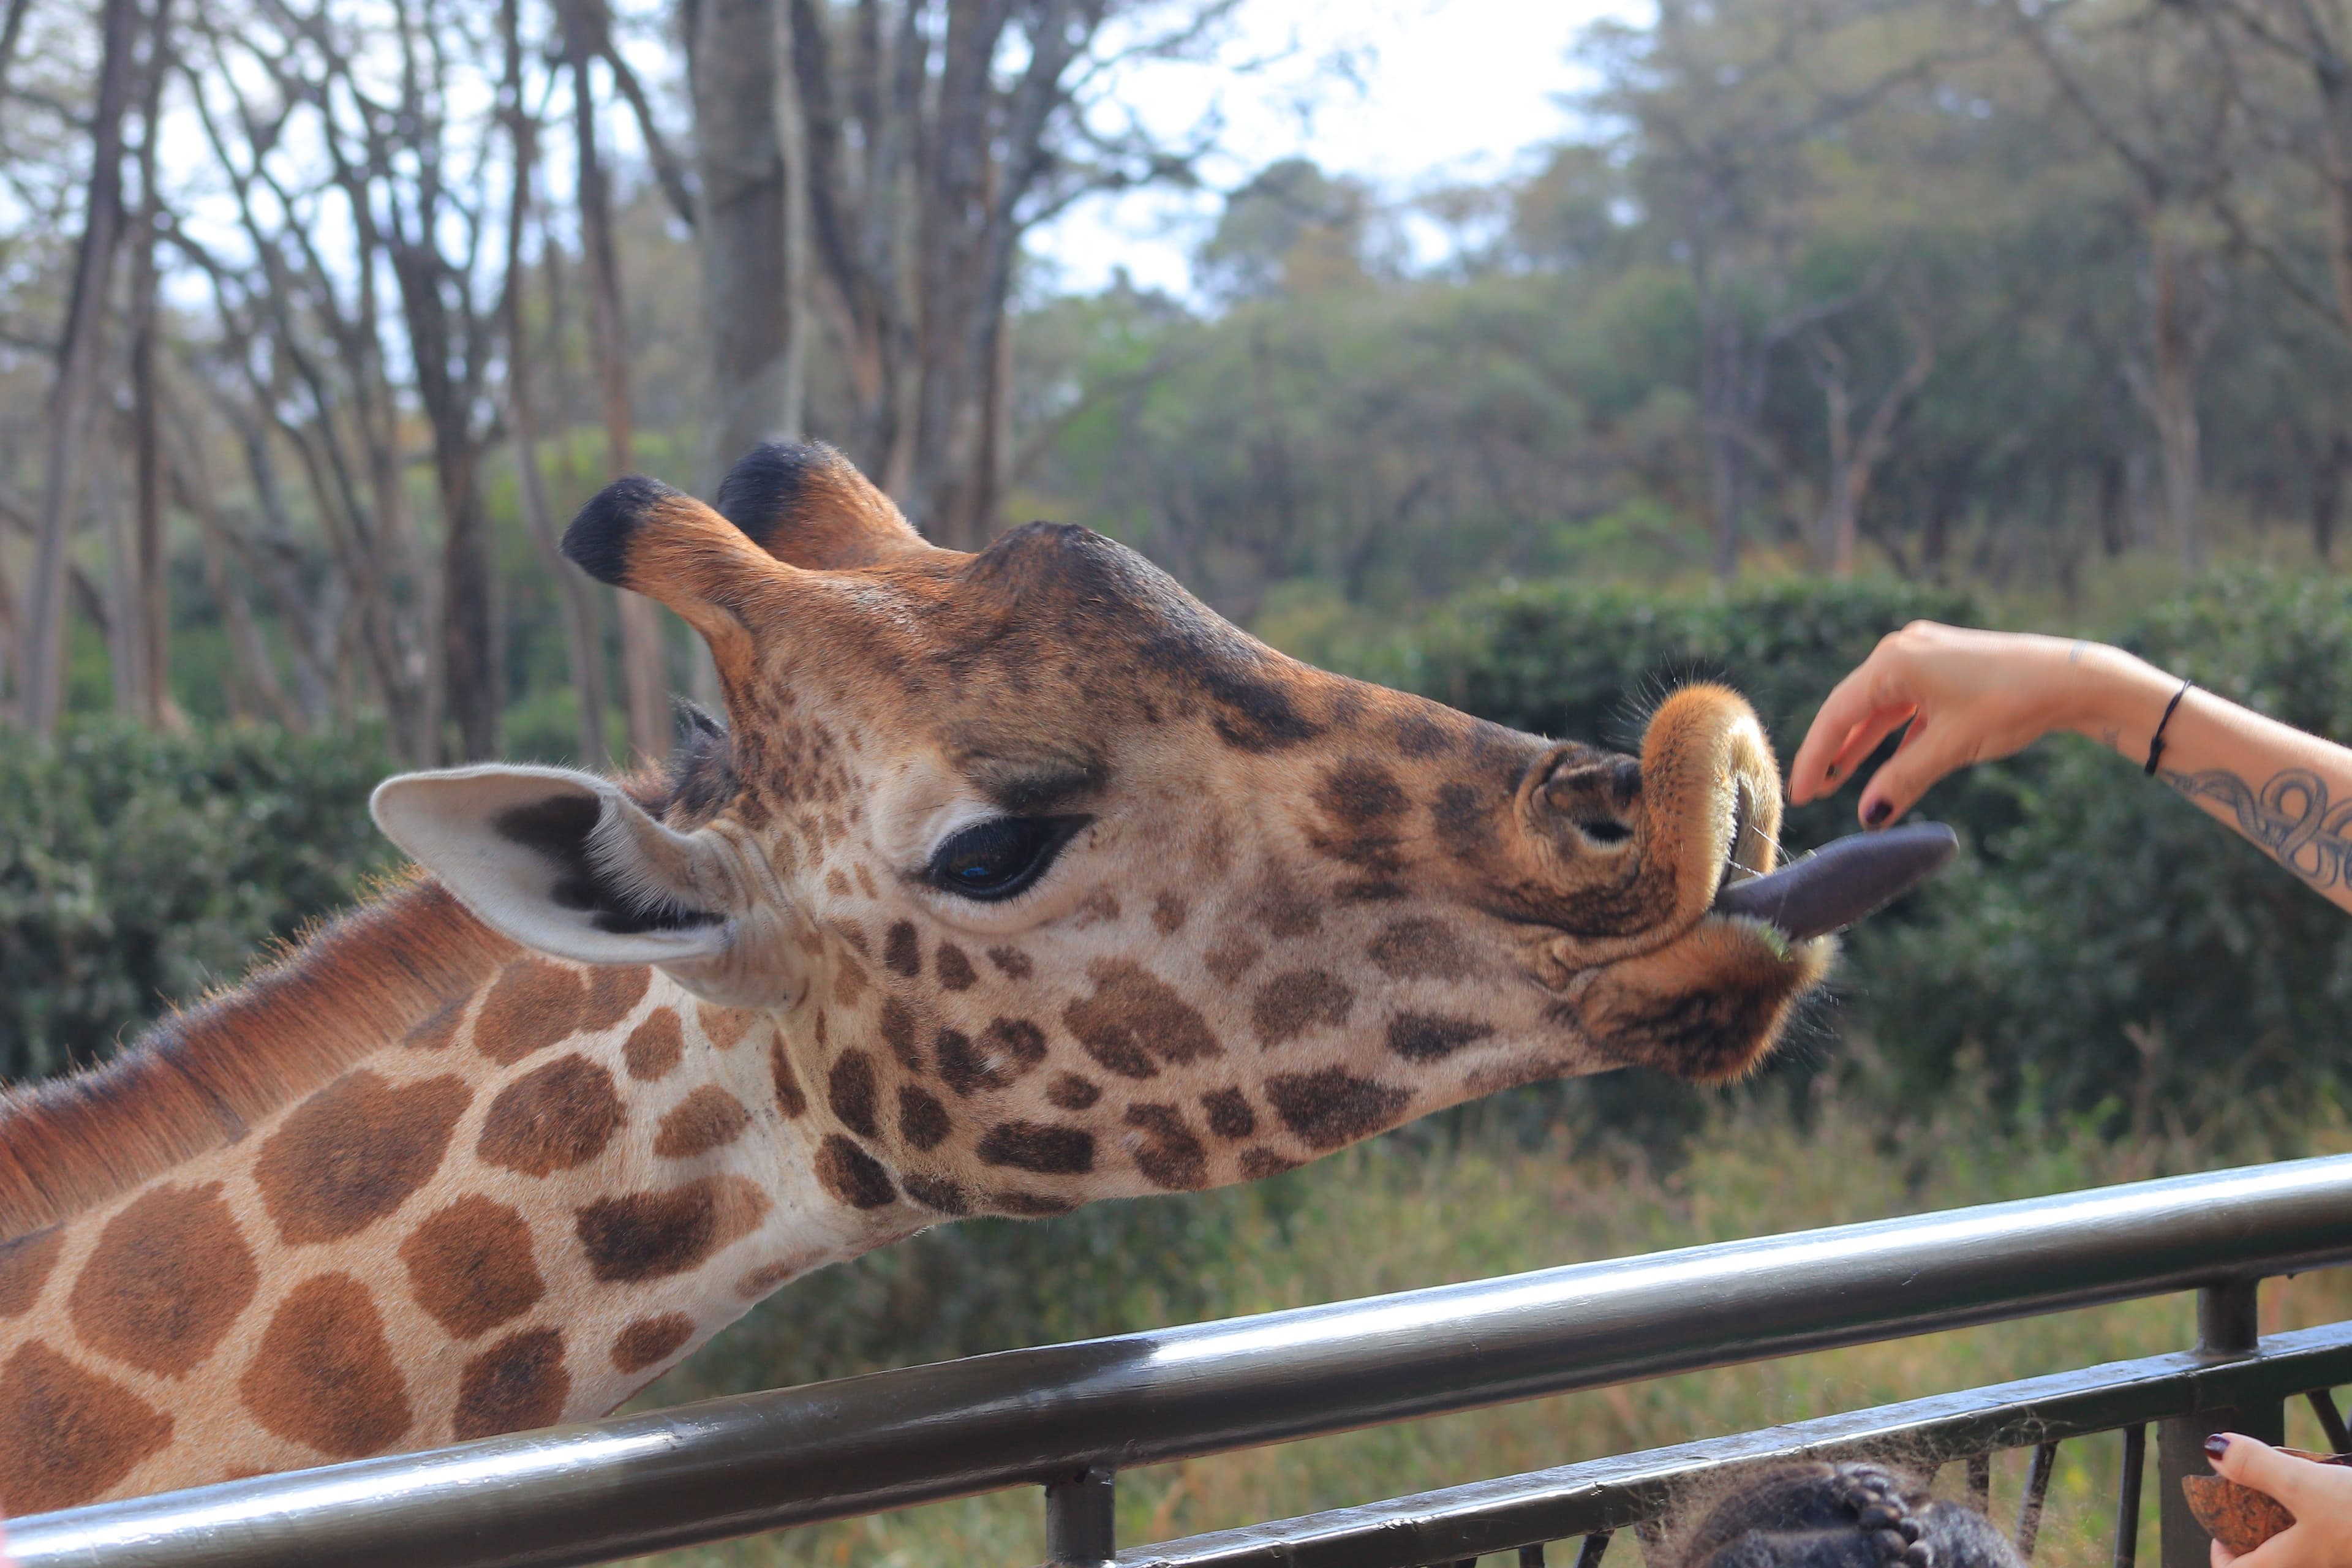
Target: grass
<point>1390,1217</point>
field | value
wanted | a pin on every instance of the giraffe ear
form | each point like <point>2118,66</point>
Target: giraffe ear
<point>562,862</point>
<point>809,507</point>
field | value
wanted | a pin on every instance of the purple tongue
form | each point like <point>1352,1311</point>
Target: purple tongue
<point>1843,880</point>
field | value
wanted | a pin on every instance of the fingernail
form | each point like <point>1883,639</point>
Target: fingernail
<point>1831,773</point>
<point>2218,1444</point>
<point>1880,810</point>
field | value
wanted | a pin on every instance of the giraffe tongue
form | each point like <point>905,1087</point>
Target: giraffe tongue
<point>1843,880</point>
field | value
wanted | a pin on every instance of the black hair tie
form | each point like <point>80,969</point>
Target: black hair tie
<point>2155,742</point>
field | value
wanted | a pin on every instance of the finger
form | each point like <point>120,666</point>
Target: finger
<point>1925,753</point>
<point>2221,1556</point>
<point>1865,739</point>
<point>1868,691</point>
<point>2251,1462</point>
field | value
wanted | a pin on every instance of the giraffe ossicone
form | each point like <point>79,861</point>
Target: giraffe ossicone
<point>1012,880</point>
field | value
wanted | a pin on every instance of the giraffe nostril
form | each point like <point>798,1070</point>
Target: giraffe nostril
<point>1605,831</point>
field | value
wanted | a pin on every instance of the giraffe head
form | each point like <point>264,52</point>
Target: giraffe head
<point>1064,887</point>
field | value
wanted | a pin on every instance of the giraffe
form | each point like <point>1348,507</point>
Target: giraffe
<point>1009,881</point>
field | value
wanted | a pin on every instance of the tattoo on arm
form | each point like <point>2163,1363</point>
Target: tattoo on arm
<point>2290,815</point>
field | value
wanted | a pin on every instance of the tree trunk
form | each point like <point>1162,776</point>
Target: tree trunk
<point>744,222</point>
<point>584,637</point>
<point>2327,496</point>
<point>645,663</point>
<point>150,610</point>
<point>2170,393</point>
<point>1721,429</point>
<point>73,395</point>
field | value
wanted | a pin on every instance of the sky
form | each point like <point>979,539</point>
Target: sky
<point>1407,93</point>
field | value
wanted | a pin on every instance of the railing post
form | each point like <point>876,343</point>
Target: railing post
<point>2227,1328</point>
<point>1081,1525</point>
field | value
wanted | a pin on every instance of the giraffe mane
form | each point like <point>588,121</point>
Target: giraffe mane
<point>199,1079</point>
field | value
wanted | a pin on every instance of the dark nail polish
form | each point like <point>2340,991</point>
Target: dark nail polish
<point>1880,810</point>
<point>2217,1445</point>
<point>1830,771</point>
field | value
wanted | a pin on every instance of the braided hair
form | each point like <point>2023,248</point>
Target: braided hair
<point>1840,1516</point>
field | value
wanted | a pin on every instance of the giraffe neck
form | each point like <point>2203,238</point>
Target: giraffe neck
<point>498,1193</point>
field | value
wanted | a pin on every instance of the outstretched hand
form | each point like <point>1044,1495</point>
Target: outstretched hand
<point>2319,1496</point>
<point>1968,696</point>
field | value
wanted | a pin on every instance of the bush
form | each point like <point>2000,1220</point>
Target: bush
<point>2117,945</point>
<point>137,870</point>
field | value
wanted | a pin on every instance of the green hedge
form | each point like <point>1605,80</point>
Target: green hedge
<point>137,870</point>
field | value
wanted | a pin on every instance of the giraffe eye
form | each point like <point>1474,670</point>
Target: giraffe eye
<point>997,859</point>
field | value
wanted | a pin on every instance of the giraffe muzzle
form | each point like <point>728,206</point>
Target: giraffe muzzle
<point>1842,882</point>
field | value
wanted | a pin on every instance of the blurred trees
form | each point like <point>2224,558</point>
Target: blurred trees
<point>318,316</point>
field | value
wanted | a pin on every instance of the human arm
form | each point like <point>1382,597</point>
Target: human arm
<point>2319,1496</point>
<point>1975,696</point>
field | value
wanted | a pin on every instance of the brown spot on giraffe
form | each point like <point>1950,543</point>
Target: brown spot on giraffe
<point>848,981</point>
<point>614,992</point>
<point>1331,1107</point>
<point>534,1005</point>
<point>789,1099</point>
<point>170,1276</point>
<point>1135,1021</point>
<point>838,886</point>
<point>1258,1163</point>
<point>1012,962</point>
<point>1029,1205</point>
<point>864,880</point>
<point>1049,1151</point>
<point>1429,1038</point>
<point>956,972</point>
<point>724,1028</point>
<point>1168,914</point>
<point>471,1266</point>
<point>852,1089</point>
<point>935,1192</point>
<point>923,1122</point>
<point>1068,1091</point>
<point>654,1046</point>
<point>1230,959</point>
<point>1421,948</point>
<point>555,1118</point>
<point>647,1340</point>
<point>324,1375</point>
<point>902,951</point>
<point>852,1175</point>
<point>1171,1156</point>
<point>93,1431</point>
<point>1297,1000</point>
<point>515,1385</point>
<point>1230,1116</point>
<point>1284,905</point>
<point>654,1235</point>
<point>708,1118</point>
<point>352,1153</point>
<point>25,1265</point>
<point>898,1032</point>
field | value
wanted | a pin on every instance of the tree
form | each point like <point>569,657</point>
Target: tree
<point>74,394</point>
<point>937,133</point>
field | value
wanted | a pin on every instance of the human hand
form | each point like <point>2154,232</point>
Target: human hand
<point>2319,1496</point>
<point>1968,697</point>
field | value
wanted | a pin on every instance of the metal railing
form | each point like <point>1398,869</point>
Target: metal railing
<point>1068,1417</point>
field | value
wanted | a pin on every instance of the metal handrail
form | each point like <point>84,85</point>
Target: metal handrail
<point>596,1491</point>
